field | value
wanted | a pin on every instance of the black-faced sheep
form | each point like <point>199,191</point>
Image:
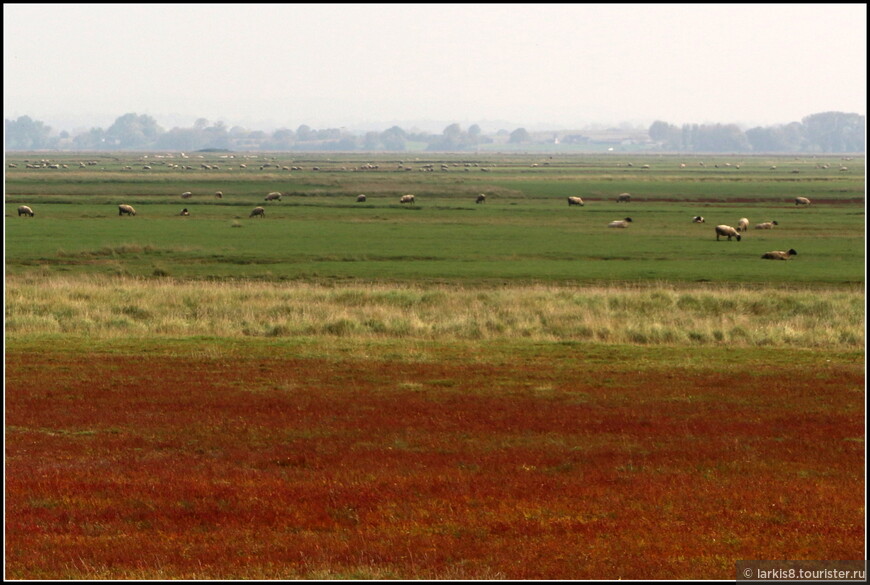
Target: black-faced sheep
<point>25,210</point>
<point>727,230</point>
<point>698,219</point>
<point>124,209</point>
<point>184,212</point>
<point>575,201</point>
<point>258,211</point>
<point>623,198</point>
<point>273,196</point>
<point>407,199</point>
<point>621,223</point>
<point>480,198</point>
<point>767,225</point>
<point>742,224</point>
<point>779,255</point>
<point>219,194</point>
<point>360,198</point>
<point>801,201</point>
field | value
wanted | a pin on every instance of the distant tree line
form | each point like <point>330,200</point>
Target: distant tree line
<point>827,132</point>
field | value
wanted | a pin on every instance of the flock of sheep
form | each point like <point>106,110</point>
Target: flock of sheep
<point>721,230</point>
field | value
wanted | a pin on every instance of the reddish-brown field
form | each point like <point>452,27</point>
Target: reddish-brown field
<point>540,466</point>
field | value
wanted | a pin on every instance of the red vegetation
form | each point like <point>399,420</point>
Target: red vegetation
<point>158,467</point>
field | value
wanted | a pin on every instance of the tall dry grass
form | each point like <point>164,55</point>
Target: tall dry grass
<point>108,307</point>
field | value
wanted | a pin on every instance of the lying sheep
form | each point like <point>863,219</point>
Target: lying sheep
<point>742,224</point>
<point>126,210</point>
<point>621,223</point>
<point>186,195</point>
<point>480,198</point>
<point>407,199</point>
<point>575,201</point>
<point>727,230</point>
<point>258,211</point>
<point>779,255</point>
<point>767,225</point>
<point>219,194</point>
<point>801,201</point>
<point>360,198</point>
<point>184,212</point>
<point>273,196</point>
<point>25,210</point>
<point>698,219</point>
<point>623,198</point>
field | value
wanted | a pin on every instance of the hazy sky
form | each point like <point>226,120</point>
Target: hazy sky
<point>540,66</point>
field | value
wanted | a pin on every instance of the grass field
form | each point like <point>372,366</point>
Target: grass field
<point>444,390</point>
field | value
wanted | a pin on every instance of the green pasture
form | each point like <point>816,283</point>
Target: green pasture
<point>525,232</point>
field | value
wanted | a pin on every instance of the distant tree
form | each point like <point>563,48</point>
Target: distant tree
<point>474,131</point>
<point>27,134</point>
<point>132,131</point>
<point>520,135</point>
<point>835,131</point>
<point>304,133</point>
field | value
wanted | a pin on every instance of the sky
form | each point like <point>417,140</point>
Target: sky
<point>371,66</point>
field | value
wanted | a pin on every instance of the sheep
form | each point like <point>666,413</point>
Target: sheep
<point>184,212</point>
<point>360,198</point>
<point>273,196</point>
<point>481,198</point>
<point>622,223</point>
<point>801,201</point>
<point>779,255</point>
<point>258,211</point>
<point>575,201</point>
<point>407,199</point>
<point>698,219</point>
<point>124,209</point>
<point>623,198</point>
<point>767,225</point>
<point>219,194</point>
<point>25,210</point>
<point>186,195</point>
<point>742,224</point>
<point>727,230</point>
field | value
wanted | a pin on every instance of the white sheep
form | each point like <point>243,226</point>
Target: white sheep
<point>623,198</point>
<point>25,210</point>
<point>801,201</point>
<point>575,201</point>
<point>767,225</point>
<point>481,198</point>
<point>186,195</point>
<point>407,199</point>
<point>698,219</point>
<point>779,255</point>
<point>258,211</point>
<point>273,196</point>
<point>219,194</point>
<point>727,230</point>
<point>742,224</point>
<point>621,223</point>
<point>184,212</point>
<point>360,198</point>
<point>124,209</point>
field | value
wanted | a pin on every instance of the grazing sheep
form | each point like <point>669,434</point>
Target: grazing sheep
<point>184,212</point>
<point>575,201</point>
<point>407,199</point>
<point>259,211</point>
<point>742,224</point>
<point>779,255</point>
<point>767,225</point>
<point>360,198</point>
<point>698,219</point>
<point>622,223</point>
<point>623,198</point>
<point>727,230</point>
<point>801,201</point>
<point>219,194</point>
<point>25,210</point>
<point>124,209</point>
<point>186,195</point>
<point>480,198</point>
<point>273,196</point>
